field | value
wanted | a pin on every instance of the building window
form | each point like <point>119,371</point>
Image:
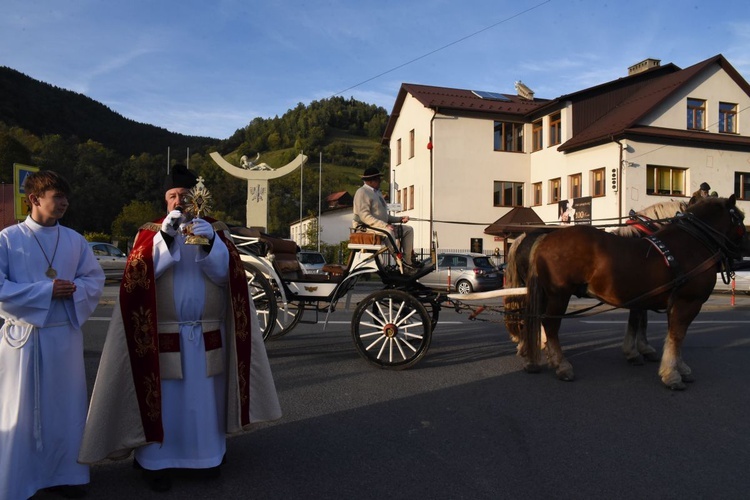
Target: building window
<point>555,130</point>
<point>537,190</point>
<point>574,186</point>
<point>742,185</point>
<point>508,194</point>
<point>398,198</point>
<point>597,182</point>
<point>398,152</point>
<point>404,199</point>
<point>411,197</point>
<point>727,118</point>
<point>696,113</point>
<point>554,191</point>
<point>536,136</point>
<point>665,180</point>
<point>411,143</point>
<point>508,136</point>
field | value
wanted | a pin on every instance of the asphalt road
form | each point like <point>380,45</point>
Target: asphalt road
<point>468,423</point>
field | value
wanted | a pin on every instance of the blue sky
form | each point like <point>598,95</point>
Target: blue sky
<point>210,67</point>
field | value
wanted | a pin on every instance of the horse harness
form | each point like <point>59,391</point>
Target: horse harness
<point>722,250</point>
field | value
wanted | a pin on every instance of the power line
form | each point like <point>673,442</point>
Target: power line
<point>442,48</point>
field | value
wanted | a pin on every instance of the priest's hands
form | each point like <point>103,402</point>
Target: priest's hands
<point>63,289</point>
<point>203,228</point>
<point>172,222</point>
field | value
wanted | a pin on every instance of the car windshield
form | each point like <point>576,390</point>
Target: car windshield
<point>311,258</point>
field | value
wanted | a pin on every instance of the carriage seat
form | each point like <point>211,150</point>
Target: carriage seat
<point>334,269</point>
<point>283,253</point>
<point>365,241</point>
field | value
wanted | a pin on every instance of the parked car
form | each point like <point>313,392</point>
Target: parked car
<point>469,272</point>
<point>111,258</point>
<point>311,262</point>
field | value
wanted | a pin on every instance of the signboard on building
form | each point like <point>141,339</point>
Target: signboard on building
<point>576,212</point>
<point>477,245</point>
<point>21,208</point>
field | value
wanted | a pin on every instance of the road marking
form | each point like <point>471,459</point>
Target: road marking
<point>664,321</point>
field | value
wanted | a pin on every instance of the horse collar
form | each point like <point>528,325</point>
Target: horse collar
<point>663,250</point>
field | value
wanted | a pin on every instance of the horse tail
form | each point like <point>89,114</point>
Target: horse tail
<point>514,305</point>
<point>535,307</point>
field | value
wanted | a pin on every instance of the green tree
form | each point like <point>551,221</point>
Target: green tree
<point>311,232</point>
<point>133,216</point>
<point>11,151</point>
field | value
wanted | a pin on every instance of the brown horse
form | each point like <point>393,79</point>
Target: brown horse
<point>635,345</point>
<point>674,270</point>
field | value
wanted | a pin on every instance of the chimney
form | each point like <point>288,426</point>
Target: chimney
<point>523,91</point>
<point>643,66</point>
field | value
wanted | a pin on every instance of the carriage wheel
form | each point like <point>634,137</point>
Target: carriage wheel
<point>391,329</point>
<point>263,298</point>
<point>285,321</point>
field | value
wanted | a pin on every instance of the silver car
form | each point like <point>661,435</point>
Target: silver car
<point>111,258</point>
<point>311,262</point>
<point>463,273</point>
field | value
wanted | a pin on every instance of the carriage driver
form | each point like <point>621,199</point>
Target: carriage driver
<point>370,209</point>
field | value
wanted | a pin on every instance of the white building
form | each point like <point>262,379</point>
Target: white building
<point>335,222</point>
<point>464,159</point>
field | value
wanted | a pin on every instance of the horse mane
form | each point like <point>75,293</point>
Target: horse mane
<point>657,211</point>
<point>664,209</point>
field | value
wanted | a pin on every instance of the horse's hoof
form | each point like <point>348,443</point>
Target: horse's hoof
<point>687,378</point>
<point>532,368</point>
<point>652,357</point>
<point>677,386</point>
<point>636,361</point>
<point>565,376</point>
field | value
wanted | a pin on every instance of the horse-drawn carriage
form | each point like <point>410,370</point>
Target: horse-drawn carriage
<point>391,328</point>
<point>674,270</point>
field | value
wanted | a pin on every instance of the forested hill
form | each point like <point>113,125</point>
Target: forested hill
<point>116,165</point>
<point>44,109</point>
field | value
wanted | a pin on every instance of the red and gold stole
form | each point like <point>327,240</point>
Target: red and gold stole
<point>240,296</point>
<point>138,307</point>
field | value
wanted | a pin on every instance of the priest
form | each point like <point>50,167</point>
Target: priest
<point>183,363</point>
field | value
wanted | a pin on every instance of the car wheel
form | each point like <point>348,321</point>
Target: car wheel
<point>464,287</point>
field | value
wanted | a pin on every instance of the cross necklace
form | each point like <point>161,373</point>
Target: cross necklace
<point>50,273</point>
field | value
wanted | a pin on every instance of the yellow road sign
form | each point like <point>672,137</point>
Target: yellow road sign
<point>21,208</point>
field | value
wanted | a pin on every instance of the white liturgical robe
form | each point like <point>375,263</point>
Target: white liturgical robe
<point>43,397</point>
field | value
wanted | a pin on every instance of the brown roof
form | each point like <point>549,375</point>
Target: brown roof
<point>601,113</point>
<point>518,220</point>
<point>624,118</point>
<point>336,196</point>
<point>459,100</point>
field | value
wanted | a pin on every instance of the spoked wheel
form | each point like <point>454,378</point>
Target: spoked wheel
<point>391,329</point>
<point>286,320</point>
<point>261,293</point>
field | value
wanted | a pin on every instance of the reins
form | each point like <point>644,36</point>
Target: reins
<point>722,248</point>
